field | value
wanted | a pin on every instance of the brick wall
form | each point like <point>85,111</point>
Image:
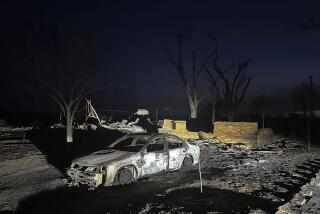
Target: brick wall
<point>235,128</point>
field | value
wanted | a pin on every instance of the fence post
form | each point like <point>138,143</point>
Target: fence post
<point>200,177</point>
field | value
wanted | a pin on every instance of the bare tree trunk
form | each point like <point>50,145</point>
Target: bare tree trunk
<point>230,116</point>
<point>69,136</point>
<point>193,110</point>
<point>213,113</point>
<point>190,87</point>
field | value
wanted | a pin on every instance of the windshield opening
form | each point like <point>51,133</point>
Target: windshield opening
<point>135,148</point>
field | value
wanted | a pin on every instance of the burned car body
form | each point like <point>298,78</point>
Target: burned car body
<point>132,157</point>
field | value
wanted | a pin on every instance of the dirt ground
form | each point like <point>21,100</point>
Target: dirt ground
<point>235,179</point>
<point>24,171</point>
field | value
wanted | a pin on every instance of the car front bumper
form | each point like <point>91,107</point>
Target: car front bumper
<point>92,180</point>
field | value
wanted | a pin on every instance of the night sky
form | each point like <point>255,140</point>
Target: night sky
<point>129,38</point>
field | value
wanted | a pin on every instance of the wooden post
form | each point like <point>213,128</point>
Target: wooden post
<point>308,133</point>
<point>200,177</point>
<point>262,129</point>
<point>310,115</point>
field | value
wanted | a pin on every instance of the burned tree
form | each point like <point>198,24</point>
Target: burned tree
<point>68,103</point>
<point>305,96</point>
<point>190,87</point>
<point>214,92</point>
<point>234,88</point>
<point>233,83</point>
<point>58,62</point>
<point>300,97</point>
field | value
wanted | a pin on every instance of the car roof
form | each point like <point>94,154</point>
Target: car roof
<point>152,135</point>
<point>149,136</point>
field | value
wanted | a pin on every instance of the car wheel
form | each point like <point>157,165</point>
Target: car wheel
<point>125,176</point>
<point>187,162</point>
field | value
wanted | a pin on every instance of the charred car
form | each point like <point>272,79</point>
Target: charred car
<point>132,157</point>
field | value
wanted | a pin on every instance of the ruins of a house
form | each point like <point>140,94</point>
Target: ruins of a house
<point>178,128</point>
<point>242,132</point>
<point>225,132</point>
<point>124,126</point>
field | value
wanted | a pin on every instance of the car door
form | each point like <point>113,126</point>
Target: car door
<point>155,157</point>
<point>176,152</point>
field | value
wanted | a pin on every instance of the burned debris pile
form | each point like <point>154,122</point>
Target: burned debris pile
<point>138,123</point>
<point>266,171</point>
<point>224,132</point>
<point>270,175</point>
<point>307,200</point>
<point>177,127</point>
<point>125,127</point>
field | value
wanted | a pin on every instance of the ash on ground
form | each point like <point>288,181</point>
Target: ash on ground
<point>273,173</point>
<point>268,172</point>
<point>236,179</point>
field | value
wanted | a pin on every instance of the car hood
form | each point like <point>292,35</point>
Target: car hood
<point>102,157</point>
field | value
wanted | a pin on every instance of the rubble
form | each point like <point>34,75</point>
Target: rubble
<point>223,132</point>
<point>57,126</point>
<point>253,171</point>
<point>271,173</point>
<point>242,132</point>
<point>305,201</point>
<point>178,128</point>
<point>124,127</point>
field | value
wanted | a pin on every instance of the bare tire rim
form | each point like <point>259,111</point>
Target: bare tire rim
<point>125,176</point>
<point>187,162</point>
